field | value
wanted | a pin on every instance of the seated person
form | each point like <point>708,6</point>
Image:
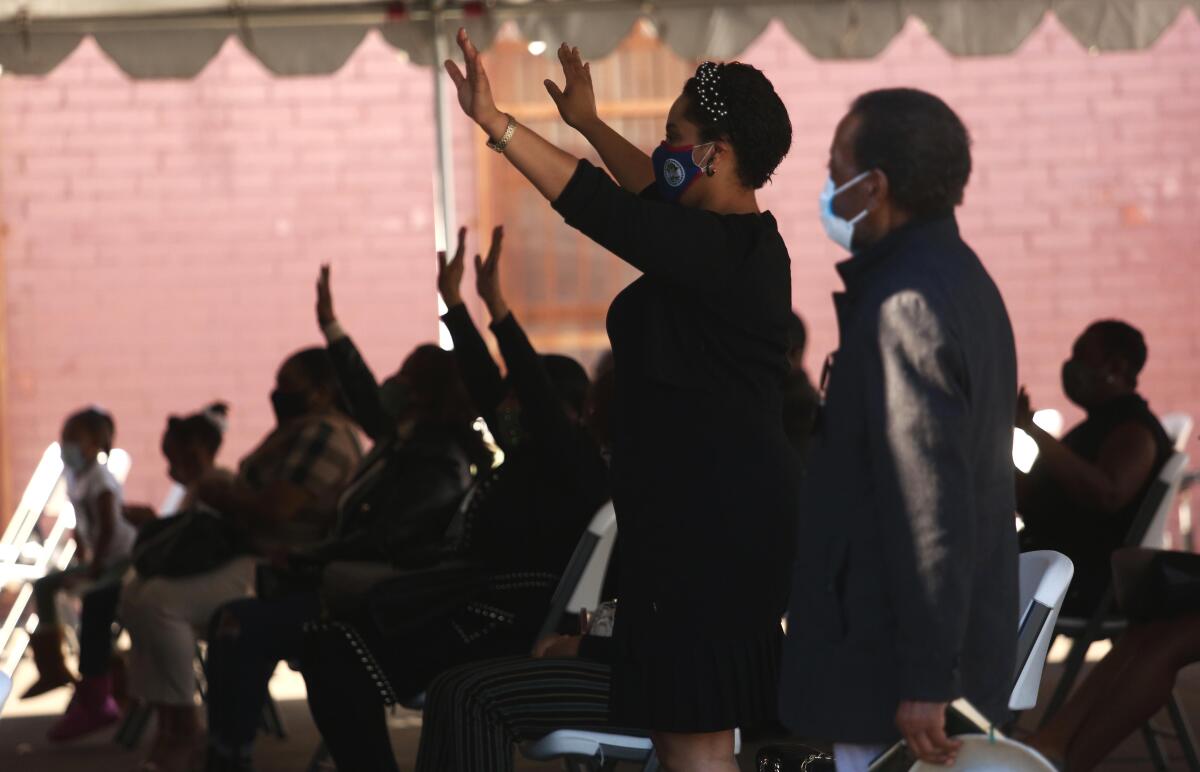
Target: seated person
<point>103,540</point>
<point>519,529</point>
<point>283,497</point>
<point>476,714</point>
<point>1126,689</point>
<point>395,512</point>
<point>190,445</point>
<point>1083,493</point>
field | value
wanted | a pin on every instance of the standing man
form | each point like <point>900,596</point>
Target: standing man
<point>905,591</point>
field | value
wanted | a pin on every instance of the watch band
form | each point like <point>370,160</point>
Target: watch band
<point>501,144</point>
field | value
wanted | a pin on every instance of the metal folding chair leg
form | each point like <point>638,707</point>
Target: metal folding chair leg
<point>133,726</point>
<point>1183,730</point>
<point>272,722</point>
<point>1158,759</point>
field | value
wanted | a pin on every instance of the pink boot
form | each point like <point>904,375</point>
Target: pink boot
<point>91,709</point>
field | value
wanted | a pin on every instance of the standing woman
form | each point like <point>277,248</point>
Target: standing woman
<point>702,470</point>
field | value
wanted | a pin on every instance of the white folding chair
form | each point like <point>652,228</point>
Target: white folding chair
<point>1179,428</point>
<point>583,578</point>
<point>5,689</point>
<point>1044,578</point>
<point>582,750</point>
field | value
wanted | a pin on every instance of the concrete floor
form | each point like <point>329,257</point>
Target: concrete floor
<point>23,727</point>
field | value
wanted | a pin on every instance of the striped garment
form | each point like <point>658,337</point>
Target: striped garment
<point>475,714</point>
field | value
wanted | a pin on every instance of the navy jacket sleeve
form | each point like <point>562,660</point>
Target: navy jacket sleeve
<point>686,246</point>
<point>918,400</point>
<point>360,389</point>
<point>479,370</point>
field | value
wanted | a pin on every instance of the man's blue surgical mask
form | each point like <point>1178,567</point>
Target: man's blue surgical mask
<point>675,168</point>
<point>839,230</point>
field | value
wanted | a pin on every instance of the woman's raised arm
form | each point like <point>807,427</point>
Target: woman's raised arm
<point>547,166</point>
<point>576,103</point>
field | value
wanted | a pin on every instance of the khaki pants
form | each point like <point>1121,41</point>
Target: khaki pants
<point>166,616</point>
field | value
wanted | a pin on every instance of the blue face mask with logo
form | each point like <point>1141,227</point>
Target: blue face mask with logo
<point>675,169</point>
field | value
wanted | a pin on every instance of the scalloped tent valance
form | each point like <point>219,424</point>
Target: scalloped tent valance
<point>177,38</point>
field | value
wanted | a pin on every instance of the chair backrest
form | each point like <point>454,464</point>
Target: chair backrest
<point>5,689</point>
<point>583,577</point>
<point>1179,427</point>
<point>1151,522</point>
<point>1044,578</point>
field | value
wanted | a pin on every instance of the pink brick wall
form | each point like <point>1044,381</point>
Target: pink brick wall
<point>163,237</point>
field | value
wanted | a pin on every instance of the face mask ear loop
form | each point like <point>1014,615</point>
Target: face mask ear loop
<point>861,215</point>
<point>851,183</point>
<point>712,146</point>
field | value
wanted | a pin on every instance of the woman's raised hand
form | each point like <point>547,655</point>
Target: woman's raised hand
<point>474,90</point>
<point>450,272</point>
<point>576,101</point>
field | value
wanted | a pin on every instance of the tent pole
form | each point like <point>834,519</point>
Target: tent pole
<point>444,207</point>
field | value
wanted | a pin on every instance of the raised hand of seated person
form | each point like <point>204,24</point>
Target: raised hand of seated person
<point>325,314</point>
<point>450,272</point>
<point>487,277</point>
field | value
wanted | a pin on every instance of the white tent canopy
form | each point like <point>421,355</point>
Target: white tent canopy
<point>177,38</point>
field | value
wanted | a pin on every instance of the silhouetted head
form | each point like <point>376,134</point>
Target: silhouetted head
<point>1105,362</point>
<point>190,443</point>
<point>85,435</point>
<point>306,384</point>
<point>902,155</point>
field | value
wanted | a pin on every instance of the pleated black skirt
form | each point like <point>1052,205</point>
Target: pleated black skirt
<point>698,685</point>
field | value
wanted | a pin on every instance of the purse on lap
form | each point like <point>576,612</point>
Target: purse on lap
<point>187,544</point>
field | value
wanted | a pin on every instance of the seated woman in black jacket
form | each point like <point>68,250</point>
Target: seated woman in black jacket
<point>518,531</point>
<point>393,514</point>
<point>1082,495</point>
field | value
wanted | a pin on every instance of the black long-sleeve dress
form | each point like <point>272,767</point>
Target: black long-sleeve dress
<point>520,528</point>
<point>703,475</point>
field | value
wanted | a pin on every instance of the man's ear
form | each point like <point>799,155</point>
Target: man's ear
<point>877,188</point>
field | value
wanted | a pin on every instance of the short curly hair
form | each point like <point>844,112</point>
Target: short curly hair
<point>755,122</point>
<point>919,143</point>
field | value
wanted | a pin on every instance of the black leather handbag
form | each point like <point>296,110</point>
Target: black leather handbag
<point>187,544</point>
